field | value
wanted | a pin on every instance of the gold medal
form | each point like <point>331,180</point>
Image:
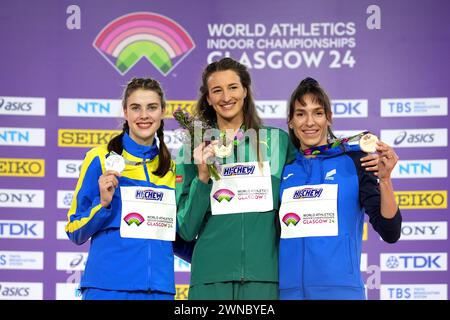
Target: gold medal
<point>223,151</point>
<point>368,143</point>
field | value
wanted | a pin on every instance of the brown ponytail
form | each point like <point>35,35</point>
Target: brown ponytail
<point>116,143</point>
<point>164,154</point>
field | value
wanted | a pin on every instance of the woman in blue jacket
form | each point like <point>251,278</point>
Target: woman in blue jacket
<point>325,193</point>
<point>124,202</point>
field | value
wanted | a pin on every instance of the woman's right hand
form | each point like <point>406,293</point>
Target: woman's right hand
<point>201,155</point>
<point>107,184</point>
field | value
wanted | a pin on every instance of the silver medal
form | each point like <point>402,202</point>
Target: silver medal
<point>115,162</point>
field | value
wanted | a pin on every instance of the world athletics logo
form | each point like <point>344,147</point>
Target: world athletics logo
<point>291,218</point>
<point>129,38</point>
<point>133,217</point>
<point>223,194</point>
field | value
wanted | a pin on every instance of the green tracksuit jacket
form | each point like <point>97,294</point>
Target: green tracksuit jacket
<point>232,247</point>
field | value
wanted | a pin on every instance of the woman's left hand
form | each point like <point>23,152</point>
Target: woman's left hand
<point>388,160</point>
<point>370,162</point>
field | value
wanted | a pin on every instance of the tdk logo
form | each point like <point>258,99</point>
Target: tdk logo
<point>349,108</point>
<point>20,229</point>
<point>414,261</point>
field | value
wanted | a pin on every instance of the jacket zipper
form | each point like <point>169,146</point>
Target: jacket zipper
<point>149,244</point>
<point>242,248</point>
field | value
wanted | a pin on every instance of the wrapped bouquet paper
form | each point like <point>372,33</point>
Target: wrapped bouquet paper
<point>190,124</point>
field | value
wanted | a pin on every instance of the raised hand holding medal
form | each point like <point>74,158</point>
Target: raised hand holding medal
<point>115,162</point>
<point>108,181</point>
<point>388,160</point>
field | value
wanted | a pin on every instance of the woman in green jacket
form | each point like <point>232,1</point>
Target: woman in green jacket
<point>236,254</point>
<point>234,219</point>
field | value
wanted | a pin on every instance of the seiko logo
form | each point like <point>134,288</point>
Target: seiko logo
<point>22,167</point>
<point>421,199</point>
<point>184,105</point>
<point>84,138</point>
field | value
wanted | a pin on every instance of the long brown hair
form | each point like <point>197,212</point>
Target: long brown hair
<point>116,144</point>
<point>309,86</point>
<point>251,117</point>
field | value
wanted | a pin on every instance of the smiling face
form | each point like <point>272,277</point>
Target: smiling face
<point>226,95</point>
<point>144,113</point>
<point>309,123</point>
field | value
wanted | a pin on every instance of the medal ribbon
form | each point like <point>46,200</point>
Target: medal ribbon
<point>131,163</point>
<point>320,149</point>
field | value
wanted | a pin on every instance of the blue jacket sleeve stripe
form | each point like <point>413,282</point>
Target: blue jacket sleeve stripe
<point>82,222</point>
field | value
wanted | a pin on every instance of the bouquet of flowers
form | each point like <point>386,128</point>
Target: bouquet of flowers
<point>190,123</point>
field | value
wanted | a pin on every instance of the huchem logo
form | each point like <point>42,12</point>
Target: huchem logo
<point>129,38</point>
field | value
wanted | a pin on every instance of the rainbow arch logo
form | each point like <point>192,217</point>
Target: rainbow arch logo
<point>291,218</point>
<point>132,37</point>
<point>133,217</point>
<point>223,194</point>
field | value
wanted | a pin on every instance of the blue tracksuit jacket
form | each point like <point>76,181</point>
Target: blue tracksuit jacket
<point>116,263</point>
<point>329,267</point>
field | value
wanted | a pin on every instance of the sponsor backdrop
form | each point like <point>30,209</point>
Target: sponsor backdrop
<point>64,64</point>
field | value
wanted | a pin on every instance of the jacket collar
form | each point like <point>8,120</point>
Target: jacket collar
<point>138,150</point>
